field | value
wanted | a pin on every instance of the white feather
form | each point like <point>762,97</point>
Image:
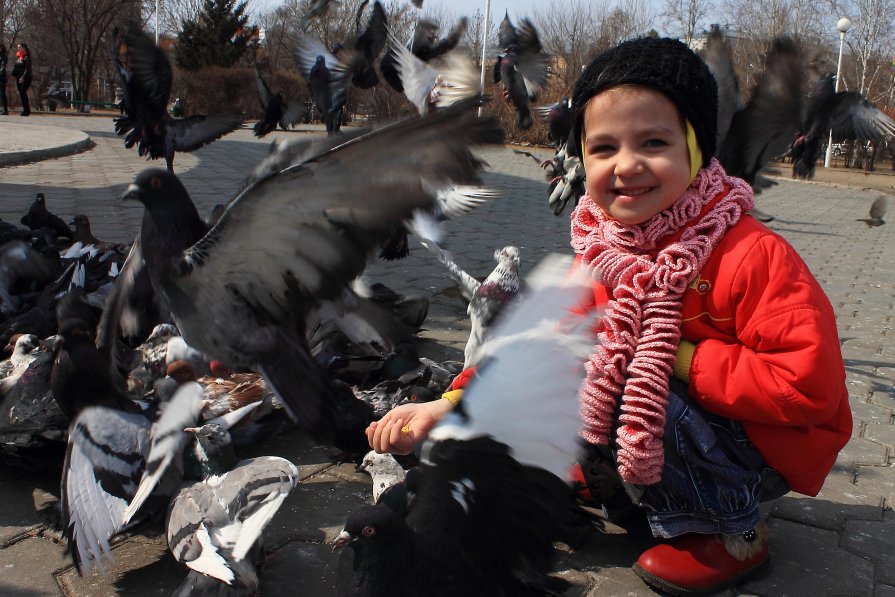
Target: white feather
<point>532,368</point>
<point>210,562</point>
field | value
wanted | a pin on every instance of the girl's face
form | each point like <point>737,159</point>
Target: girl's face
<point>635,153</point>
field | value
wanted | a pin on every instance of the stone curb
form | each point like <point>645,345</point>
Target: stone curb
<point>17,158</point>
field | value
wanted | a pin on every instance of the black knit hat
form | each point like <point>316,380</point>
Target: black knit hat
<point>666,65</point>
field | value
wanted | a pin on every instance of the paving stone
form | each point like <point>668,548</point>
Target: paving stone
<point>877,480</point>
<point>304,568</point>
<point>839,499</point>
<point>884,591</point>
<point>808,561</point>
<point>883,434</point>
<point>873,541</point>
<point>26,568</point>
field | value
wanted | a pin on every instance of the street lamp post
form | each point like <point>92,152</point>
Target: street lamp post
<point>485,45</point>
<point>843,25</point>
<point>156,22</point>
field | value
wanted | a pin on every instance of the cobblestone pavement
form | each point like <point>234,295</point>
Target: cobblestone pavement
<point>838,543</point>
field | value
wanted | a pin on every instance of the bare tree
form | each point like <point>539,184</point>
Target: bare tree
<point>686,17</point>
<point>12,19</point>
<point>871,41</point>
<point>78,30</point>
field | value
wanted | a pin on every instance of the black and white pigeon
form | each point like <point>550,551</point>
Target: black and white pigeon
<point>112,455</point>
<point>146,82</point>
<point>751,135</point>
<point>214,525</point>
<point>848,113</point>
<point>23,354</point>
<point>277,109</point>
<point>877,211</point>
<point>385,471</point>
<point>292,241</point>
<point>521,66</point>
<point>486,299</point>
<point>425,45</point>
<point>488,501</point>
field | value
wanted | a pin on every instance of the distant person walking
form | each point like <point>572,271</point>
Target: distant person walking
<point>4,54</point>
<point>21,72</point>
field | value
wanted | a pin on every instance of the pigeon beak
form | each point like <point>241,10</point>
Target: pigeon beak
<point>193,430</point>
<point>344,538</point>
<point>131,192</point>
<point>361,468</point>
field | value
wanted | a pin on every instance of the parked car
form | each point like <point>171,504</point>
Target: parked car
<point>60,92</point>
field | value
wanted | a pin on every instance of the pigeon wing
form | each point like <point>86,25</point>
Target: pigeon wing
<point>151,68</point>
<point>457,200</point>
<point>192,512</point>
<point>718,57</point>
<point>264,94</point>
<point>854,117</point>
<point>506,33</point>
<point>468,284</point>
<point>318,242</point>
<point>292,113</point>
<point>105,454</point>
<point>879,207</point>
<point>417,77</point>
<point>168,440</point>
<point>194,132</point>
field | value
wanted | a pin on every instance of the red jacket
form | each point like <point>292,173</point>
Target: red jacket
<point>768,352</point>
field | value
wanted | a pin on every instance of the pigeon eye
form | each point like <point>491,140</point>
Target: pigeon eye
<point>413,398</point>
<point>368,531</point>
<point>155,183</point>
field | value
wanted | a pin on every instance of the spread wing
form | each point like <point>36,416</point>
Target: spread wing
<point>168,440</point>
<point>417,77</point>
<point>150,68</point>
<point>719,60</point>
<point>194,132</point>
<point>313,227</point>
<point>264,94</point>
<point>105,455</point>
<point>854,117</point>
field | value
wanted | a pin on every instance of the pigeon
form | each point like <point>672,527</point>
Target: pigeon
<point>752,135</point>
<point>145,122</point>
<point>215,524</point>
<point>39,217</point>
<point>317,8</point>
<point>22,270</point>
<point>10,232</point>
<point>438,83</point>
<point>385,471</point>
<point>490,487</point>
<point>558,117</point>
<point>22,356</point>
<point>850,116</point>
<point>424,45</point>
<point>521,67</point>
<point>112,457</point>
<point>283,249</point>
<point>486,299</point>
<point>877,211</point>
<point>368,43</point>
<point>327,76</point>
<point>277,109</point>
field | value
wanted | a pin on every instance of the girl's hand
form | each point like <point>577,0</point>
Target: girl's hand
<point>399,431</point>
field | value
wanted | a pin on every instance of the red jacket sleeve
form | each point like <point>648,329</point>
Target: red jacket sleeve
<point>786,366</point>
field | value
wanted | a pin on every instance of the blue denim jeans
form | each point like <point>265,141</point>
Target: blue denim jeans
<point>713,478</point>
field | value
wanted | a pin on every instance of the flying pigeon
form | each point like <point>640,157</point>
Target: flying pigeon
<point>877,211</point>
<point>277,109</point>
<point>521,67</point>
<point>327,76</point>
<point>293,240</point>
<point>752,135</point>
<point>486,299</point>
<point>849,114</point>
<point>215,524</point>
<point>558,117</point>
<point>490,486</point>
<point>425,45</point>
<point>146,80</point>
<point>369,41</point>
<point>438,83</point>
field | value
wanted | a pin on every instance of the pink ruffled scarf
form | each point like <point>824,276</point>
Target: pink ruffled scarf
<point>647,276</point>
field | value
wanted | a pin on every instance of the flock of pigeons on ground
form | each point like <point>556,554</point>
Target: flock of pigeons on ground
<point>141,370</point>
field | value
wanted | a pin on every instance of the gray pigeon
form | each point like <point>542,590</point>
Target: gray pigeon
<point>877,211</point>
<point>214,524</point>
<point>487,298</point>
<point>521,67</point>
<point>114,462</point>
<point>293,240</point>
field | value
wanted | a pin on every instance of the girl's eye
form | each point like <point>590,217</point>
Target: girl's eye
<point>656,143</point>
<point>597,149</point>
<point>368,531</point>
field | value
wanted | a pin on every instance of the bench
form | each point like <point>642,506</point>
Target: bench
<point>89,105</point>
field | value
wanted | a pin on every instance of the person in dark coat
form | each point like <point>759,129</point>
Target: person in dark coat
<point>21,72</point>
<point>4,53</point>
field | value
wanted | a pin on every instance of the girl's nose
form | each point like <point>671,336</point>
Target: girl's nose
<point>628,163</point>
